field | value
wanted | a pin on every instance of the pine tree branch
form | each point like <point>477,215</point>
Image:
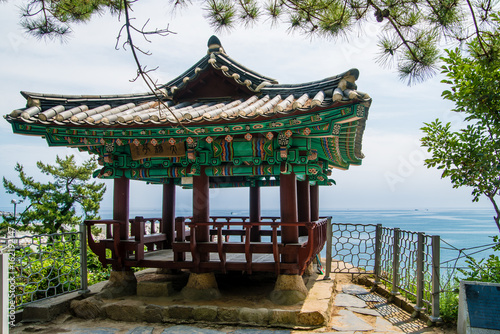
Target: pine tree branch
<point>144,75</point>
<point>478,34</point>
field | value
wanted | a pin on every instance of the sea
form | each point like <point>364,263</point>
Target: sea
<point>462,231</point>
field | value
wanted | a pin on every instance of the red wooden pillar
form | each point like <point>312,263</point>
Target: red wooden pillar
<point>201,209</point>
<point>314,202</point>
<point>303,204</point>
<point>121,190</point>
<point>168,212</point>
<point>288,210</point>
<point>255,212</point>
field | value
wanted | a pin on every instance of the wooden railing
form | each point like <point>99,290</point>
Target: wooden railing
<point>145,237</point>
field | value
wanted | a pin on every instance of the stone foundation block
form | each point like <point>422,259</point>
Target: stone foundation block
<point>180,313</point>
<point>205,313</point>
<point>311,319</point>
<point>259,316</point>
<point>228,315</point>
<point>154,289</point>
<point>201,287</point>
<point>282,318</point>
<point>90,308</point>
<point>289,290</point>
<point>125,310</point>
<point>121,283</point>
<point>153,314</point>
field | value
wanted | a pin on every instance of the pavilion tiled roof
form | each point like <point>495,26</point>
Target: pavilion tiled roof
<point>258,96</point>
<point>233,121</point>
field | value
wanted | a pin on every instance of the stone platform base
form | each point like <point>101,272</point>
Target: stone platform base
<point>244,300</point>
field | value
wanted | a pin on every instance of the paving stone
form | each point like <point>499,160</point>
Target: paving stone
<point>346,300</point>
<point>189,330</point>
<point>260,331</point>
<point>353,289</point>
<point>141,330</point>
<point>387,309</point>
<point>348,321</point>
<point>371,297</point>
<point>95,330</point>
<point>366,311</point>
<point>382,325</point>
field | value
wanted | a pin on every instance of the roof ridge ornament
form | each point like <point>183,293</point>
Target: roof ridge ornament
<point>214,45</point>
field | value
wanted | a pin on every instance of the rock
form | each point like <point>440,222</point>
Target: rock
<point>289,290</point>
<point>353,289</point>
<point>282,317</point>
<point>153,314</point>
<point>259,316</point>
<point>205,313</point>
<point>125,310</point>
<point>365,311</point>
<point>314,319</point>
<point>228,314</point>
<point>154,289</point>
<point>121,283</point>
<point>180,312</point>
<point>347,321</point>
<point>141,330</point>
<point>89,308</point>
<point>189,330</point>
<point>345,300</point>
<point>382,325</point>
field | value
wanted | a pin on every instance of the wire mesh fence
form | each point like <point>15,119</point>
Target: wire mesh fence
<point>407,263</point>
<point>46,265</point>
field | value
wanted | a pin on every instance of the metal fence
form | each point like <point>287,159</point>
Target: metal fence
<point>46,265</point>
<point>407,263</point>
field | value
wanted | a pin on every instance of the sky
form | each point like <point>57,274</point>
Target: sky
<point>392,175</point>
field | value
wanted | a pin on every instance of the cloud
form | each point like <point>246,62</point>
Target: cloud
<point>392,174</point>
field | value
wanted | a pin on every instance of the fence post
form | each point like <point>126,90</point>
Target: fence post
<point>378,254</point>
<point>329,238</point>
<point>83,259</point>
<point>419,275</point>
<point>4,289</point>
<point>395,264</point>
<point>436,244</point>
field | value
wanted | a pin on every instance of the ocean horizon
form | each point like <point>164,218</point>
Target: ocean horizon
<point>464,229</point>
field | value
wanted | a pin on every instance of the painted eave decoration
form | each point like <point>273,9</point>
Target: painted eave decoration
<point>242,127</point>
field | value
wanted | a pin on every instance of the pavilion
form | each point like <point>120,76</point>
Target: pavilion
<point>219,124</point>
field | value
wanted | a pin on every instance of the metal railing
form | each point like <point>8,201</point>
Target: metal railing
<point>46,265</point>
<point>406,262</point>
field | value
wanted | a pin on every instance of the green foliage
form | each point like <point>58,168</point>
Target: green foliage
<point>52,18</point>
<point>470,156</point>
<point>484,270</point>
<point>414,30</point>
<point>53,205</point>
<point>52,266</point>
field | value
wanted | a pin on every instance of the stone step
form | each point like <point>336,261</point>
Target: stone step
<point>155,289</point>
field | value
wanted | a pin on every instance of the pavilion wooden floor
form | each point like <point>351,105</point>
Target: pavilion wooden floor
<point>168,255</point>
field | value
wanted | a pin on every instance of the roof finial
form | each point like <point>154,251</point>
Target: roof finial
<point>214,45</point>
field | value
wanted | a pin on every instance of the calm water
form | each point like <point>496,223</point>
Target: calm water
<point>462,228</point>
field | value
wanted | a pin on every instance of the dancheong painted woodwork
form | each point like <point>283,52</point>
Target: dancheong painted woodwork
<point>219,124</point>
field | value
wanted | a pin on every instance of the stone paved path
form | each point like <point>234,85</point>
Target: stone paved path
<point>356,311</point>
<point>176,330</point>
<point>360,311</point>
